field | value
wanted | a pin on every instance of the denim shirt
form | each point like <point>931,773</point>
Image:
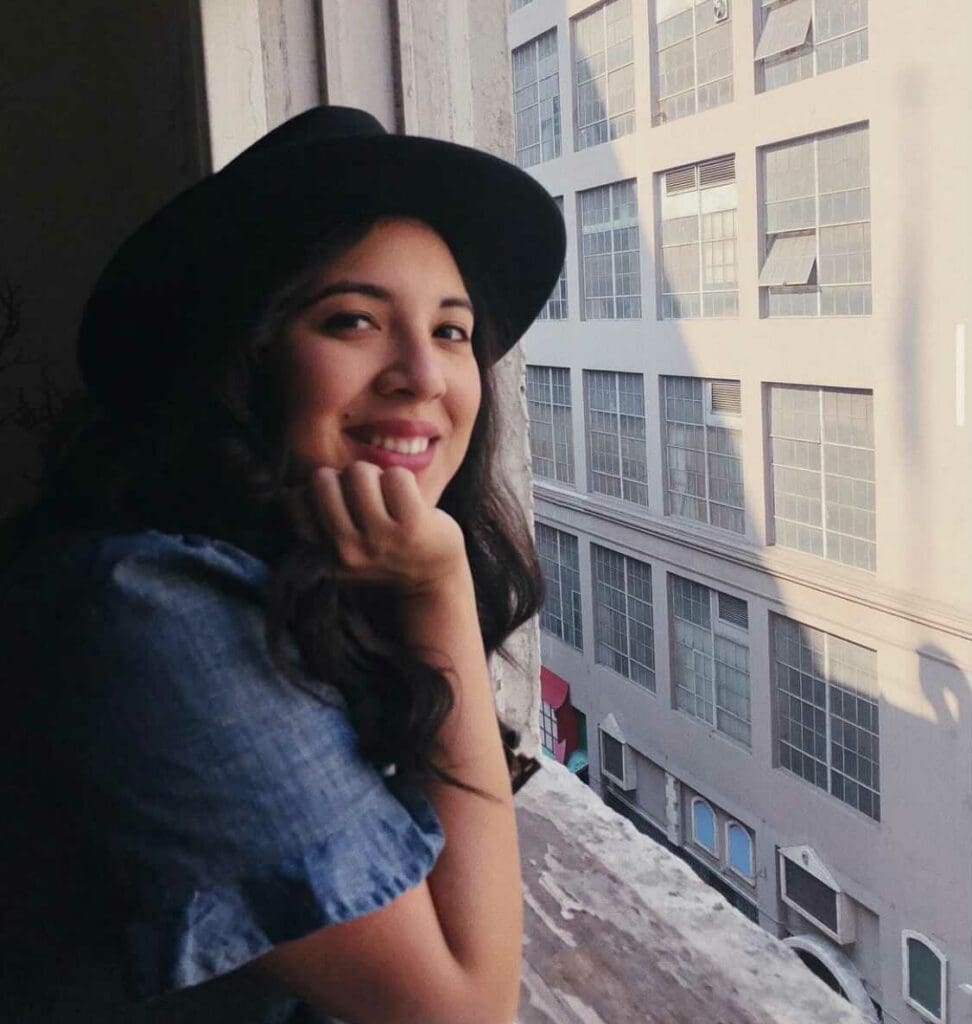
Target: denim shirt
<point>182,806</point>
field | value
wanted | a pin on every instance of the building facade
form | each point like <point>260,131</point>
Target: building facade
<point>752,464</point>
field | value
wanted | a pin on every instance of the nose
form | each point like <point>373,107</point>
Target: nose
<point>415,366</point>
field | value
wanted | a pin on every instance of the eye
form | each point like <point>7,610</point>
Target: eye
<point>455,331</point>
<point>346,322</point>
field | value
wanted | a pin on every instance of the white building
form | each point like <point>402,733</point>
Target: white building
<point>753,473</point>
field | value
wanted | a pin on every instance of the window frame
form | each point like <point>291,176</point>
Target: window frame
<point>923,1011</point>
<point>693,803</point>
<point>558,127</point>
<point>619,437</point>
<point>557,306</point>
<point>750,879</point>
<point>615,224</point>
<point>548,728</point>
<point>576,611</point>
<point>549,404</point>
<point>651,687</point>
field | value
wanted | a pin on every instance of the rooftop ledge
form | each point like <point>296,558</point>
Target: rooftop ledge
<point>619,931</point>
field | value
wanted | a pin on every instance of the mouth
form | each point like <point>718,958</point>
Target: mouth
<point>392,449</point>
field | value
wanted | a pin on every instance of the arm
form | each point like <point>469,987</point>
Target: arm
<point>449,949</point>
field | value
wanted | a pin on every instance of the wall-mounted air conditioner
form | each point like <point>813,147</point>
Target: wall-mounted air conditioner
<point>617,758</point>
<point>720,10</point>
<point>812,891</point>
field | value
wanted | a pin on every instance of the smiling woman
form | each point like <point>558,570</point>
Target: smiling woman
<point>245,637</point>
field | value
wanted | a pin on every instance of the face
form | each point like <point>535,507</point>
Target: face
<point>379,365</point>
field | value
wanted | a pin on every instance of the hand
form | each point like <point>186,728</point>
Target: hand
<point>382,529</point>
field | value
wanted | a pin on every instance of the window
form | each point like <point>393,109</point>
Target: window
<point>817,224</point>
<point>693,57</point>
<point>548,728</point>
<point>561,611</point>
<point>827,713</point>
<point>822,471</point>
<point>703,451</point>
<point>624,636</point>
<point>697,262</point>
<point>556,306</point>
<point>703,826</point>
<point>711,656</point>
<point>801,38</point>
<point>536,100</point>
<point>617,455</point>
<point>739,850</point>
<point>925,986</point>
<point>515,5</point>
<point>551,430</point>
<point>604,98</point>
<point>610,252</point>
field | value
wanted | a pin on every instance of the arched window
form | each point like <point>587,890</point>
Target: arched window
<point>924,968</point>
<point>739,850</point>
<point>703,825</point>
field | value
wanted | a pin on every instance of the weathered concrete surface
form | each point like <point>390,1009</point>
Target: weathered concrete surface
<point>618,931</point>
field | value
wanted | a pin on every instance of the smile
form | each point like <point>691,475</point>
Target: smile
<point>402,445</point>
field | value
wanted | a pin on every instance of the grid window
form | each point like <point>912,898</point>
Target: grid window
<point>617,454</point>
<point>536,100</point>
<point>515,5</point>
<point>604,80</point>
<point>548,728</point>
<point>697,264</point>
<point>817,222</point>
<point>561,611</point>
<point>693,57</point>
<point>610,252</point>
<point>711,655</point>
<point>822,469</point>
<point>551,430</point>
<point>802,38</point>
<point>703,451</point>
<point>624,636</point>
<point>827,713</point>
<point>556,305</point>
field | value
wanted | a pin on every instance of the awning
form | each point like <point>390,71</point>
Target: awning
<point>553,690</point>
<point>790,261</point>
<point>786,28</point>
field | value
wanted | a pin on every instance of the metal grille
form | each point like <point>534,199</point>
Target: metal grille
<point>822,470</point>
<point>827,713</point>
<point>624,638</point>
<point>551,427</point>
<point>561,611</point>
<point>617,454</point>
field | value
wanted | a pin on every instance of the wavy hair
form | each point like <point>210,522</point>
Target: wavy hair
<point>211,457</point>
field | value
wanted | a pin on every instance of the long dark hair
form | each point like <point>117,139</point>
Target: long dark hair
<point>211,457</point>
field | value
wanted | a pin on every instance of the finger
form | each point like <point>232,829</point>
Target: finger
<point>330,508</point>
<point>361,484</point>
<point>402,496</point>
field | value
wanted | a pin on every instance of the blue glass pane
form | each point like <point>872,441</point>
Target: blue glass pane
<point>703,825</point>
<point>740,851</point>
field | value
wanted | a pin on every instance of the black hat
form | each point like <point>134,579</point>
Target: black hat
<point>200,270</point>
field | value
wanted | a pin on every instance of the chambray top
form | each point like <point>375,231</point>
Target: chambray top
<point>180,807</point>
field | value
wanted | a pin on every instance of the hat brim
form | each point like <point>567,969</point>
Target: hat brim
<point>241,231</point>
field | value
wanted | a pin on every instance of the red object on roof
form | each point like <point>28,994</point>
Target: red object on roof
<point>553,690</point>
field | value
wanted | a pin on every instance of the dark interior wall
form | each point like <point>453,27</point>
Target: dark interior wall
<point>101,119</point>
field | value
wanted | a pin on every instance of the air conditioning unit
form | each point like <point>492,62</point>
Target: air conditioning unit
<point>720,10</point>
<point>811,890</point>
<point>723,403</point>
<point>617,758</point>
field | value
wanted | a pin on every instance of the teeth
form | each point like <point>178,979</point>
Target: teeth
<point>402,445</point>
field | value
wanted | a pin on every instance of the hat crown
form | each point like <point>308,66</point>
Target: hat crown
<point>319,124</point>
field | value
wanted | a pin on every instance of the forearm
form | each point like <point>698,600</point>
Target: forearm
<point>475,884</point>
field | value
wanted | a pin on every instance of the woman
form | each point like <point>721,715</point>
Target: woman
<point>259,766</point>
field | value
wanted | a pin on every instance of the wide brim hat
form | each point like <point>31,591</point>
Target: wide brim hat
<point>197,274</point>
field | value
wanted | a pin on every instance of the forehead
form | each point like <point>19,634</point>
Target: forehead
<point>399,247</point>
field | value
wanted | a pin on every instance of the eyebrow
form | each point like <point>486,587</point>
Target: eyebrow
<point>375,291</point>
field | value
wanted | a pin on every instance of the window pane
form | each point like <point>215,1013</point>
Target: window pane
<point>703,825</point>
<point>740,850</point>
<point>924,977</point>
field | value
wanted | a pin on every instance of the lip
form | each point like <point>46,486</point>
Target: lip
<point>393,428</point>
<point>385,458</point>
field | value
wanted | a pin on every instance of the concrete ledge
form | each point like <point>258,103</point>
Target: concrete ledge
<point>618,931</point>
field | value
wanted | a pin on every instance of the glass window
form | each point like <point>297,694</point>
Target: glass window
<point>817,216</point>
<point>924,969</point>
<point>610,252</point>
<point>703,825</point>
<point>703,451</point>
<point>617,453</point>
<point>561,611</point>
<point>827,713</point>
<point>624,638</point>
<point>739,852</point>
<point>693,57</point>
<point>604,79</point>
<point>536,100</point>
<point>821,448</point>
<point>551,429</point>
<point>548,729</point>
<point>801,38</point>
<point>711,657</point>
<point>556,305</point>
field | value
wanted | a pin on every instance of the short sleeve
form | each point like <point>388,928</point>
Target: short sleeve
<point>231,804</point>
